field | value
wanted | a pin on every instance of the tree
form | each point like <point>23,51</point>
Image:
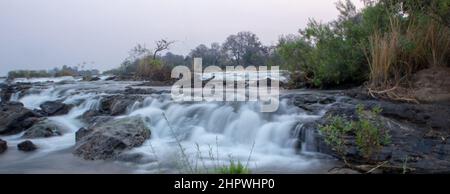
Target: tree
<point>245,49</point>
<point>161,45</point>
<point>210,56</point>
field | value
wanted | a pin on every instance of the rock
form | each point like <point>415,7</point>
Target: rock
<point>53,108</point>
<point>157,83</point>
<point>418,135</point>
<point>312,102</point>
<point>42,129</point>
<point>432,85</point>
<point>81,133</point>
<point>136,158</point>
<point>26,146</point>
<point>7,90</point>
<point>130,90</point>
<point>3,146</point>
<point>117,104</point>
<point>111,78</point>
<point>108,140</point>
<point>12,117</point>
<point>27,123</point>
<point>343,171</point>
<point>91,78</point>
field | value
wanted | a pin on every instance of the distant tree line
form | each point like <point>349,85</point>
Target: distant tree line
<point>243,48</point>
<point>56,72</point>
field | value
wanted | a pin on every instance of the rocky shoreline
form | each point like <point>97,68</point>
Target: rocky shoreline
<point>419,132</point>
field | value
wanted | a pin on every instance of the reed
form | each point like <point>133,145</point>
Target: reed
<point>394,56</point>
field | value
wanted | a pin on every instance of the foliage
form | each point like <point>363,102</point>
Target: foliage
<point>331,53</point>
<point>415,39</point>
<point>28,74</point>
<point>385,41</point>
<point>335,134</point>
<point>245,49</point>
<point>233,168</point>
<point>56,72</point>
<point>370,137</point>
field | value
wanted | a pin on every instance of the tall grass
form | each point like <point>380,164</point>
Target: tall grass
<point>438,42</point>
<point>407,47</point>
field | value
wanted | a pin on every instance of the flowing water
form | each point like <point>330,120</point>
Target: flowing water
<point>185,137</point>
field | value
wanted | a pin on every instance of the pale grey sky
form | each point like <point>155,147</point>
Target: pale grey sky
<point>41,34</point>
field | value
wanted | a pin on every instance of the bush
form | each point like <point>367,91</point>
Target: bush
<point>335,134</point>
<point>332,54</point>
<point>28,74</point>
<point>233,169</point>
<point>370,137</point>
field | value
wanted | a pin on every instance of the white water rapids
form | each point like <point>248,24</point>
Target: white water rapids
<point>211,134</point>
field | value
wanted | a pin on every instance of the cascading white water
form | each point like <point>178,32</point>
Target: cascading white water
<point>209,133</point>
<point>233,131</point>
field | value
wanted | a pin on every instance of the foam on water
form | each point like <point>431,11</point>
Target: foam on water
<point>209,133</point>
<point>236,132</point>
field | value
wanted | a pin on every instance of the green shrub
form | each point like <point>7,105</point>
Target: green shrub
<point>233,168</point>
<point>335,133</point>
<point>370,137</point>
<point>28,74</point>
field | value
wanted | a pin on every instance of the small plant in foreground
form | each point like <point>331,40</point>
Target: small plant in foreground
<point>233,168</point>
<point>335,134</point>
<point>370,136</point>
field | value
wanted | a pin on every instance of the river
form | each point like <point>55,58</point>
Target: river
<point>211,134</point>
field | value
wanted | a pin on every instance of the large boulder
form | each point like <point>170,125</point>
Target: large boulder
<point>108,140</point>
<point>113,105</point>
<point>15,118</point>
<point>3,146</point>
<point>7,90</point>
<point>42,129</point>
<point>53,108</point>
<point>26,146</point>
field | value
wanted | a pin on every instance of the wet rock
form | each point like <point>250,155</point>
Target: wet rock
<point>42,129</point>
<point>130,90</point>
<point>418,134</point>
<point>108,140</point>
<point>426,116</point>
<point>26,146</point>
<point>117,104</point>
<point>12,117</point>
<point>158,83</point>
<point>91,78</point>
<point>111,78</point>
<point>312,102</point>
<point>53,108</point>
<point>81,133</point>
<point>3,146</point>
<point>7,90</point>
<point>133,158</point>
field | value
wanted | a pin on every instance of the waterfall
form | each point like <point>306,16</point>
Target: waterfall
<point>211,133</point>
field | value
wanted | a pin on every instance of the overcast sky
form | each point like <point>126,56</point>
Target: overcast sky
<point>41,34</point>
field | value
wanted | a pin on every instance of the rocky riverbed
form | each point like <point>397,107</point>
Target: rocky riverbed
<point>130,127</point>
